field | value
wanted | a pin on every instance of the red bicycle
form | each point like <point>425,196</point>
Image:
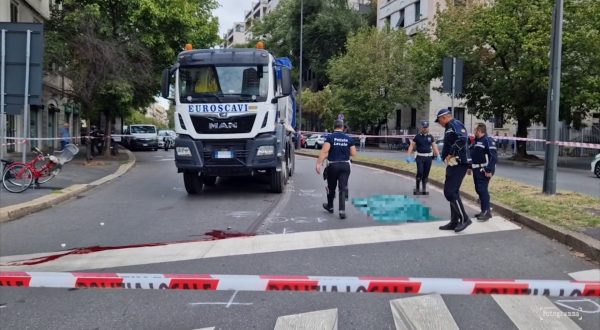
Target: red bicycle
<point>18,177</point>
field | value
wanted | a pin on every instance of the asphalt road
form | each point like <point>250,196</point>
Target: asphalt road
<point>149,205</point>
<point>583,181</point>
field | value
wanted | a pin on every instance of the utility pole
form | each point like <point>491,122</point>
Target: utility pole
<point>300,68</point>
<point>549,187</point>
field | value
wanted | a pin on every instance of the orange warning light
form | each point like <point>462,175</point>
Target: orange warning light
<point>260,45</point>
<point>188,47</point>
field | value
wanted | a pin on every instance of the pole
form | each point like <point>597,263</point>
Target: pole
<point>2,91</point>
<point>26,97</point>
<point>453,83</point>
<point>554,102</point>
<point>300,69</point>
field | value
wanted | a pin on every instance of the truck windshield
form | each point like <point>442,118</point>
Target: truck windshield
<point>223,84</point>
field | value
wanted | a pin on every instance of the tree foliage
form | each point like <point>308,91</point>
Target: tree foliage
<point>375,77</point>
<point>114,50</point>
<point>327,23</point>
<point>506,47</point>
<point>321,107</point>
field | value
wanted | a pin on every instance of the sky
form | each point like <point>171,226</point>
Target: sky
<point>230,11</point>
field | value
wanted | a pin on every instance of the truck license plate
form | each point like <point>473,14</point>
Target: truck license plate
<point>224,154</point>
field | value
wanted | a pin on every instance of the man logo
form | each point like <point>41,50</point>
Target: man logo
<point>229,125</point>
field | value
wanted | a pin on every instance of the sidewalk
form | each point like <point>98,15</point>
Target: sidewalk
<point>76,173</point>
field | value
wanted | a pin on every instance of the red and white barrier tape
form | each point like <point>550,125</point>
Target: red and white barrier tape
<point>497,138</point>
<point>410,285</point>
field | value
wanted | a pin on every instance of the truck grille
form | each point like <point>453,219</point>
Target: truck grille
<point>215,125</point>
<point>240,154</point>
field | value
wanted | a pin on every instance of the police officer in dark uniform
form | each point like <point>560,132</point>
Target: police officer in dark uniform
<point>484,156</point>
<point>337,149</point>
<point>456,156</point>
<point>426,151</point>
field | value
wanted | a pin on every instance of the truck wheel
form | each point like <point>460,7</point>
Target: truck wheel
<point>292,161</point>
<point>277,180</point>
<point>210,181</point>
<point>193,183</point>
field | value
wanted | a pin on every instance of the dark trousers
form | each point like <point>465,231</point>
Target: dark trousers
<point>481,187</point>
<point>454,179</point>
<point>337,175</point>
<point>423,167</point>
<point>63,144</point>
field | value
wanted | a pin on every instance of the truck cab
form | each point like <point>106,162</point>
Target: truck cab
<point>233,116</point>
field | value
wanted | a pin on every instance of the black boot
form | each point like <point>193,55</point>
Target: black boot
<point>342,205</point>
<point>329,205</point>
<point>417,190</point>
<point>425,192</point>
<point>465,221</point>
<point>485,216</point>
<point>454,219</point>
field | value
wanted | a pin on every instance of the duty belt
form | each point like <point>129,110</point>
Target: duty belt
<point>479,165</point>
<point>338,161</point>
<point>428,154</point>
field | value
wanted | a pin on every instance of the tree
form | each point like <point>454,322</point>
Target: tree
<point>112,52</point>
<point>327,23</point>
<point>506,47</point>
<point>375,77</point>
<point>322,107</point>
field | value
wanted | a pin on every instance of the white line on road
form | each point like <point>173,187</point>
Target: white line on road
<point>318,320</point>
<point>534,312</point>
<point>586,275</point>
<point>254,245</point>
<point>422,312</point>
<point>231,299</point>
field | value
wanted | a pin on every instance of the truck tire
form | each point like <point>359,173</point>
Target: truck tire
<point>292,161</point>
<point>210,181</point>
<point>279,179</point>
<point>193,183</point>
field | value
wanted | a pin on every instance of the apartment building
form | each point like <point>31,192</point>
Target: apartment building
<point>412,16</point>
<point>58,107</point>
<point>235,36</point>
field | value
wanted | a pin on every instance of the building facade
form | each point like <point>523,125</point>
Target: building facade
<point>57,107</point>
<point>235,36</point>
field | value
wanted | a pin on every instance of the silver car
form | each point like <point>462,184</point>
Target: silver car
<point>596,165</point>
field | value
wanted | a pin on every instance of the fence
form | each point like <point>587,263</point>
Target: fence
<point>585,135</point>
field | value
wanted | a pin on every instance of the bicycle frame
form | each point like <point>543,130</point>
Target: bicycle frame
<point>43,171</point>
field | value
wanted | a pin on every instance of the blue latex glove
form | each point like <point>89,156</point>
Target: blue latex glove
<point>410,159</point>
<point>438,159</point>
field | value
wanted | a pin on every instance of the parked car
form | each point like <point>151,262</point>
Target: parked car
<point>315,141</point>
<point>303,141</point>
<point>141,136</point>
<point>596,165</point>
<point>166,139</point>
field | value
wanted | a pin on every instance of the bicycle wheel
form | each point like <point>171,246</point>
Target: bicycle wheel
<point>17,178</point>
<point>49,174</point>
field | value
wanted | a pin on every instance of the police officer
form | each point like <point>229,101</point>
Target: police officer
<point>426,151</point>
<point>337,149</point>
<point>484,156</point>
<point>456,156</point>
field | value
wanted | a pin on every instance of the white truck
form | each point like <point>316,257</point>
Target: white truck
<point>234,116</point>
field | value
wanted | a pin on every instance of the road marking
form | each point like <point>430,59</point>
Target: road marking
<point>534,312</point>
<point>254,245</point>
<point>586,275</point>
<point>318,320</point>
<point>422,312</point>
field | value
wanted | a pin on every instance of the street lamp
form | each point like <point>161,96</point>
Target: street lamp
<point>300,67</point>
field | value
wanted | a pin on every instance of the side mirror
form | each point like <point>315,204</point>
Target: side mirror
<point>164,84</point>
<point>286,82</point>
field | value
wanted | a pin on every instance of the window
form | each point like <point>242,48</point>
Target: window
<point>413,118</point>
<point>459,113</point>
<point>499,121</point>
<point>388,21</point>
<point>400,23</point>
<point>398,119</point>
<point>14,12</point>
<point>417,11</point>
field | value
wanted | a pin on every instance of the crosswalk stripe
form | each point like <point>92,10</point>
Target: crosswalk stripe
<point>422,312</point>
<point>318,320</point>
<point>586,275</point>
<point>534,312</point>
<point>253,245</point>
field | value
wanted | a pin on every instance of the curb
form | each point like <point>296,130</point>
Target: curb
<point>580,242</point>
<point>13,212</point>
